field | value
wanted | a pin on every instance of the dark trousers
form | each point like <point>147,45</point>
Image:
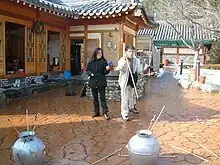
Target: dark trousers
<point>101,91</point>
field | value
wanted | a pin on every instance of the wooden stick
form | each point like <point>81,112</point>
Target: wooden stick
<point>36,116</point>
<point>151,122</point>
<point>167,156</point>
<point>132,78</point>
<point>108,156</point>
<point>190,153</point>
<point>209,151</point>
<point>14,127</point>
<point>160,156</point>
<point>157,118</point>
<point>27,120</point>
<point>120,155</point>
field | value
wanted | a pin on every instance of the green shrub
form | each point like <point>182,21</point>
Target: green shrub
<point>211,66</point>
<point>161,65</point>
<point>213,55</point>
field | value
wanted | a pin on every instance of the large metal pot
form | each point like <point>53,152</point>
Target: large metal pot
<point>143,148</point>
<point>28,149</point>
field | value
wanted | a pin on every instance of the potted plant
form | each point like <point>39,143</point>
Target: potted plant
<point>202,79</point>
<point>166,62</point>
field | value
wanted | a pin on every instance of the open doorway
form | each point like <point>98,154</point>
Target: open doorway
<point>14,48</point>
<point>53,51</point>
<point>76,56</point>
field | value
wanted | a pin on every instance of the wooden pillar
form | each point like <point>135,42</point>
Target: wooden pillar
<point>85,48</point>
<point>37,56</point>
<point>68,50</point>
<point>2,48</point>
<point>203,55</point>
<point>163,58</point>
<point>135,40</point>
<point>37,48</point>
<point>121,40</point>
<point>177,55</point>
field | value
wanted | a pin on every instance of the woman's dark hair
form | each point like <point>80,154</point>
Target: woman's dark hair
<point>131,47</point>
<point>94,54</point>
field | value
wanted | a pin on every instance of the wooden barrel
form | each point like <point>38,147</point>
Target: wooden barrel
<point>165,62</point>
<point>192,74</point>
<point>202,79</point>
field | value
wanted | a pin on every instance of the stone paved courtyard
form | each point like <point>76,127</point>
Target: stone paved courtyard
<point>72,137</point>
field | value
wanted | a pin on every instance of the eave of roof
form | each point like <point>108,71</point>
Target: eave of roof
<point>46,6</point>
<point>160,44</point>
<point>151,22</point>
<point>165,33</point>
<point>88,10</point>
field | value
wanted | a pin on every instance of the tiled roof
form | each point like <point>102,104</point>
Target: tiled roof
<point>109,9</point>
<point>50,7</point>
<point>87,10</point>
<point>104,8</point>
<point>165,32</point>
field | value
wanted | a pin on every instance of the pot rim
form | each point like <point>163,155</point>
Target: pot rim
<point>144,133</point>
<point>26,134</point>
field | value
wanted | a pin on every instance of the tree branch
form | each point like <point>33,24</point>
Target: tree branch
<point>181,37</point>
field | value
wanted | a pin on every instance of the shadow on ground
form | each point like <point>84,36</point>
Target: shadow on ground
<point>73,137</point>
<point>82,143</point>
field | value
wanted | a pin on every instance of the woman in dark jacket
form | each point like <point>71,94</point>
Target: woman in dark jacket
<point>97,68</point>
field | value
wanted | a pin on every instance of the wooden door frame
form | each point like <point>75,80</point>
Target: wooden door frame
<point>56,31</point>
<point>4,19</point>
<point>84,51</point>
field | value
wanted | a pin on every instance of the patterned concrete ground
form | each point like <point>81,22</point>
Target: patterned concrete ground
<point>72,137</point>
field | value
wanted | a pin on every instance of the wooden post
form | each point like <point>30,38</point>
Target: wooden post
<point>121,40</point>
<point>2,48</point>
<point>37,56</point>
<point>26,69</point>
<point>85,48</point>
<point>203,55</point>
<point>135,40</point>
<point>177,55</point>
<point>163,58</point>
<point>68,52</point>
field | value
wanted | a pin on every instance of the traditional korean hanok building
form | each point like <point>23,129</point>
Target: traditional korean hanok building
<point>170,42</point>
<point>38,36</point>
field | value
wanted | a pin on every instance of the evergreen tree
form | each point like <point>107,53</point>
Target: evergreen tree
<point>214,53</point>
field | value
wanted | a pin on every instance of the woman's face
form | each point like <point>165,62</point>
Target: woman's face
<point>129,53</point>
<point>99,54</point>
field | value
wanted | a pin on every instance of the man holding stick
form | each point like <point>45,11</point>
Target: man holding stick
<point>128,67</point>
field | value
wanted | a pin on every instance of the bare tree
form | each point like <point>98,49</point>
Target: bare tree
<point>191,11</point>
<point>202,13</point>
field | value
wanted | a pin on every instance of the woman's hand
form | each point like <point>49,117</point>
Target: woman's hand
<point>107,67</point>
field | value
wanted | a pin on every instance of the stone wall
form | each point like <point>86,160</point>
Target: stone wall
<point>171,58</point>
<point>113,90</point>
<point>187,59</point>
